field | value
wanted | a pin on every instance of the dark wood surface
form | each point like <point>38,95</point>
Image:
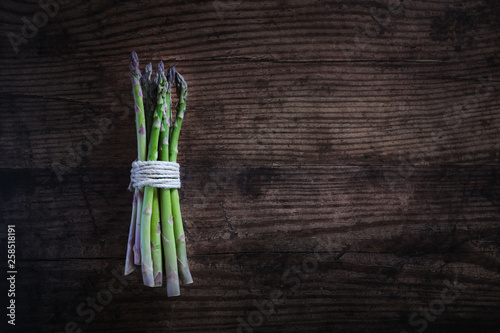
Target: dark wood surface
<point>345,154</point>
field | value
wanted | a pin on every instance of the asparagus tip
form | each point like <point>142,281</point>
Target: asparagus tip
<point>160,68</point>
<point>171,75</point>
<point>148,70</point>
<point>134,61</point>
<point>160,75</point>
<point>181,84</point>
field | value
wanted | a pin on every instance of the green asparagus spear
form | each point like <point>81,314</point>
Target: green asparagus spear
<point>180,239</point>
<point>167,228</point>
<point>147,206</point>
<point>129,261</point>
<point>146,87</point>
<point>139,195</point>
<point>153,97</point>
<point>135,76</point>
<point>156,241</point>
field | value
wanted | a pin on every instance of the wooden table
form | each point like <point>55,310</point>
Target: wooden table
<point>340,164</point>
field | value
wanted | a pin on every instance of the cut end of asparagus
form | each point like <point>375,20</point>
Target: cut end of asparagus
<point>129,269</point>
<point>173,288</point>
<point>186,277</point>
<point>184,272</point>
<point>172,292</point>
<point>147,275</point>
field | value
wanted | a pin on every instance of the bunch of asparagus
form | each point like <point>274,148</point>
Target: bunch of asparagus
<point>156,236</point>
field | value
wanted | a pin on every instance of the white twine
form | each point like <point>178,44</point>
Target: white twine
<point>159,174</point>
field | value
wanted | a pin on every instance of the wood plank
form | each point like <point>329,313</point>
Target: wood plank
<point>298,114</point>
<point>356,288</point>
<point>426,210</point>
<point>253,30</point>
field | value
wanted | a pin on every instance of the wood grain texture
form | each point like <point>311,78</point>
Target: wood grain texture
<point>345,154</point>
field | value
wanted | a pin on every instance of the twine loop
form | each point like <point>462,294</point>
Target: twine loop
<point>159,174</point>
